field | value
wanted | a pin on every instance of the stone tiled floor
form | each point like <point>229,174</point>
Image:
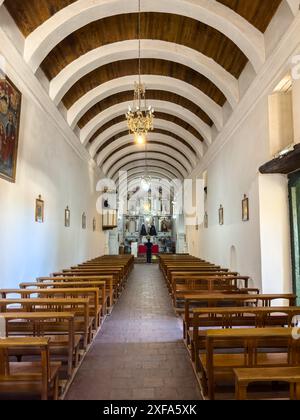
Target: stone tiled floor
<point>139,353</point>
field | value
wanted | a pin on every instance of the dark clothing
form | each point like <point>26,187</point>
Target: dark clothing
<point>149,246</point>
<point>143,231</point>
<point>153,231</point>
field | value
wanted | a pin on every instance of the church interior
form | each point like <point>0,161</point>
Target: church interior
<point>149,200</point>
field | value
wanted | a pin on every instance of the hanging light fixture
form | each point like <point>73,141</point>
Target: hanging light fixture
<point>140,117</point>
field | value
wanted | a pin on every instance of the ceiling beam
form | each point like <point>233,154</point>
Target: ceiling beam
<point>147,160</point>
<point>147,148</point>
<point>156,165</point>
<point>151,138</point>
<point>159,172</point>
<point>80,13</point>
<point>125,50</point>
<point>159,123</point>
<point>152,82</point>
<point>159,106</point>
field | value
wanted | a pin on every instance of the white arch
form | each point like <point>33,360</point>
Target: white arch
<point>141,170</point>
<point>165,83</point>
<point>138,175</point>
<point>124,50</point>
<point>294,5</point>
<point>146,156</point>
<point>82,12</point>
<point>154,137</point>
<point>133,181</point>
<point>160,106</point>
<point>150,170</point>
<point>160,124</point>
<point>150,163</point>
<point>149,148</point>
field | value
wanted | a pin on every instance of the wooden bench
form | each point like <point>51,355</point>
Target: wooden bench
<point>216,366</point>
<point>192,268</point>
<point>118,284</point>
<point>101,285</point>
<point>64,279</point>
<point>228,300</point>
<point>80,307</point>
<point>228,318</point>
<point>91,293</point>
<point>211,285</point>
<point>40,324</point>
<point>245,377</point>
<point>29,377</point>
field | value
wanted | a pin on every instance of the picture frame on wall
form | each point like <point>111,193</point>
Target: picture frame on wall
<point>67,217</point>
<point>39,210</point>
<point>84,221</point>
<point>245,209</point>
<point>221,216</point>
<point>10,112</point>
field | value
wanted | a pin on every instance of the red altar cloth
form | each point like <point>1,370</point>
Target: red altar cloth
<point>143,249</point>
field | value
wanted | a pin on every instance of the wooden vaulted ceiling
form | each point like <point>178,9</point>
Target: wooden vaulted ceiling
<point>155,131</point>
<point>30,14</point>
<point>149,66</point>
<point>151,94</point>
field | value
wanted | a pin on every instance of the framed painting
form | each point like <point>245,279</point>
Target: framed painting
<point>10,111</point>
<point>39,210</point>
<point>245,209</point>
<point>67,217</point>
<point>84,221</point>
<point>221,216</point>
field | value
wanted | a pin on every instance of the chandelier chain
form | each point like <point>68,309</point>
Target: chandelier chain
<point>140,118</point>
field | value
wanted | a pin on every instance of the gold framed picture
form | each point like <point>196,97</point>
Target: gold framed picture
<point>221,216</point>
<point>245,209</point>
<point>94,224</point>
<point>10,111</point>
<point>84,221</point>
<point>39,210</point>
<point>67,217</point>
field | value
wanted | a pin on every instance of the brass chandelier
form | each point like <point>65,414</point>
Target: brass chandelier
<point>140,117</point>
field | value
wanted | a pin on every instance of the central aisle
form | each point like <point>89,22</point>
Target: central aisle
<point>139,353</point>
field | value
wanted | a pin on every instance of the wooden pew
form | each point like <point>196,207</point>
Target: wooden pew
<point>29,377</point>
<point>227,300</point>
<point>101,285</point>
<point>254,354</point>
<point>118,283</point>
<point>108,280</point>
<point>91,293</point>
<point>228,318</point>
<point>192,268</point>
<point>245,377</point>
<point>184,286</point>
<point>38,323</point>
<point>80,307</point>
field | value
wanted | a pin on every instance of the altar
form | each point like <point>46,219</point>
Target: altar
<point>142,250</point>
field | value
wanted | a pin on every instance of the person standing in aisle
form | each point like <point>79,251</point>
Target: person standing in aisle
<point>149,246</point>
